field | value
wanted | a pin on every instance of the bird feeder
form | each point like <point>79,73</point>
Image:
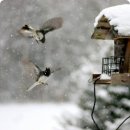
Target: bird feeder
<point>114,24</point>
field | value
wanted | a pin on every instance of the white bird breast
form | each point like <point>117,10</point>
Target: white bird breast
<point>43,79</point>
<point>26,33</point>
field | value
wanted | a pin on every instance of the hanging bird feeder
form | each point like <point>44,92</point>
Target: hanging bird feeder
<point>110,24</point>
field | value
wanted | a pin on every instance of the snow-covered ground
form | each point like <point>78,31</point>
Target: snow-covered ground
<point>47,116</point>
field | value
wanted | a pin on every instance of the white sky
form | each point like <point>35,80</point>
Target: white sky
<point>119,17</point>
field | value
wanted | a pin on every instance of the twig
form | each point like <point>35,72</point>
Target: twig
<point>91,80</point>
<point>123,122</point>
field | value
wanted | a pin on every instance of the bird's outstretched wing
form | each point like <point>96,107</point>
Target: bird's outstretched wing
<point>33,86</point>
<point>52,24</point>
<point>37,71</point>
<point>31,69</point>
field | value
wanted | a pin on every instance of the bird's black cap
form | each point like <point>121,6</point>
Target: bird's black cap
<point>47,72</point>
<point>25,27</point>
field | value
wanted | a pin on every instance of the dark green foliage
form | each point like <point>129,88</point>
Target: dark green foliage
<point>115,105</point>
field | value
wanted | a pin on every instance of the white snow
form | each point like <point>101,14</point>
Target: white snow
<point>120,90</point>
<point>128,1</point>
<point>103,93</point>
<point>126,102</point>
<point>1,1</point>
<point>119,17</point>
<point>36,116</point>
<point>105,76</point>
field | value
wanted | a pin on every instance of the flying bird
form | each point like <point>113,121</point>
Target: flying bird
<point>40,76</point>
<point>39,34</point>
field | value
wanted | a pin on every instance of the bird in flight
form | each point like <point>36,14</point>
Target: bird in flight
<point>40,76</point>
<point>39,34</point>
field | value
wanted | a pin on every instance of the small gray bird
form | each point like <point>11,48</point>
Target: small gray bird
<point>40,76</point>
<point>39,34</point>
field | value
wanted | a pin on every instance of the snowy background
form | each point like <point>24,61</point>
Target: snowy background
<point>57,106</point>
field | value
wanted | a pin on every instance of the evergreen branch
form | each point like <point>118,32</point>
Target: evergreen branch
<point>93,109</point>
<point>123,122</point>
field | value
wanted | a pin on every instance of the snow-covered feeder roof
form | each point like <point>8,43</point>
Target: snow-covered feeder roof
<point>113,22</point>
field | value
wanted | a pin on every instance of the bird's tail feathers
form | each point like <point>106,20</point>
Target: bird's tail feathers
<point>33,86</point>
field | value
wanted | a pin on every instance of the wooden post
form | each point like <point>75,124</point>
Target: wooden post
<point>127,58</point>
<point>120,47</point>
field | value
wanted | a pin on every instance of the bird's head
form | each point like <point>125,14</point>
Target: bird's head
<point>26,27</point>
<point>47,72</point>
<point>27,31</point>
